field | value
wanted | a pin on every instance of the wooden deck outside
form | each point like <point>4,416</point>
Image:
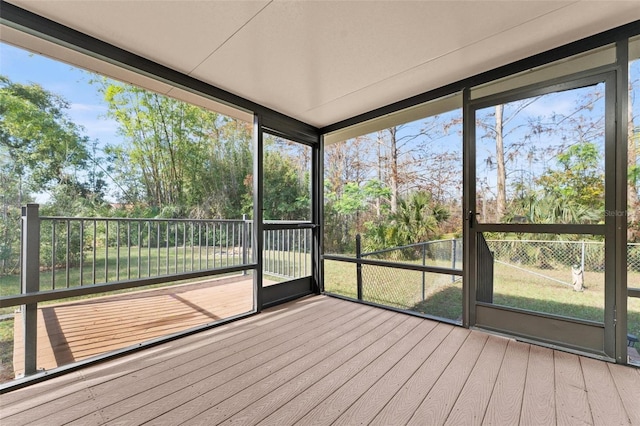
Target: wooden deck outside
<point>321,360</point>
<point>73,331</point>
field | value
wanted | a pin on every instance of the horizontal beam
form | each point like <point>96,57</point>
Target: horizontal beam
<point>387,264</point>
<point>541,228</point>
<point>44,296</point>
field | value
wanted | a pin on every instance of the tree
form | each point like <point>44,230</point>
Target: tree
<point>41,150</point>
<point>504,130</point>
<point>571,192</point>
<point>418,219</point>
<point>43,146</point>
<point>286,194</point>
<point>398,159</point>
<point>546,125</point>
<point>578,178</point>
<point>501,199</point>
<point>177,154</point>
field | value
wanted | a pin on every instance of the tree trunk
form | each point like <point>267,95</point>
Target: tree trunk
<point>379,168</point>
<point>394,169</point>
<point>501,200</point>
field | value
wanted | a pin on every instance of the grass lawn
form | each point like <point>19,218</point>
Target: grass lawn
<point>514,288</point>
<point>127,264</point>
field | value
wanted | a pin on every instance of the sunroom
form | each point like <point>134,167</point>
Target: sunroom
<point>409,212</point>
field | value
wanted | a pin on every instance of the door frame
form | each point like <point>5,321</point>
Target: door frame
<point>582,336</point>
<point>285,291</point>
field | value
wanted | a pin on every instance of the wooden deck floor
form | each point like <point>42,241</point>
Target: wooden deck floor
<point>321,360</point>
<point>73,331</point>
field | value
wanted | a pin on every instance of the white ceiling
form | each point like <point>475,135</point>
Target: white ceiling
<point>325,61</point>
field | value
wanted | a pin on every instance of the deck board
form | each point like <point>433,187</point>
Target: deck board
<point>256,383</point>
<point>321,360</point>
<point>604,400</point>
<point>324,376</point>
<point>572,403</point>
<point>506,399</point>
<point>271,393</point>
<point>472,402</point>
<point>538,403</point>
<point>378,395</point>
<point>401,407</point>
<point>439,401</point>
<point>628,385</point>
<point>345,385</point>
<point>202,390</point>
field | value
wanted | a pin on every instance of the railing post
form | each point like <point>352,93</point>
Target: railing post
<point>359,266</point>
<point>245,238</point>
<point>453,257</point>
<point>424,262</point>
<point>30,283</point>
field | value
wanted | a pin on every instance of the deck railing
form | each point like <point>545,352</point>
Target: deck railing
<point>85,251</point>
<point>287,252</point>
<point>81,251</point>
<point>80,256</point>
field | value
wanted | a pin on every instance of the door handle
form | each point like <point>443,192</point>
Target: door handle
<point>470,217</point>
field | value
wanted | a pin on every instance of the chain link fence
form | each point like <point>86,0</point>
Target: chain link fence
<point>441,294</point>
<point>424,292</point>
<point>544,258</point>
<point>442,253</point>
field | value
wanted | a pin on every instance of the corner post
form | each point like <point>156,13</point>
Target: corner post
<point>30,283</point>
<point>359,266</point>
<point>257,230</point>
<point>424,262</point>
<point>245,242</point>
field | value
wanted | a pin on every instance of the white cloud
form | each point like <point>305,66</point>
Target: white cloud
<point>81,108</point>
<point>92,117</point>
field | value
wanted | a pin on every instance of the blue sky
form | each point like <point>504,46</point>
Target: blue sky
<point>86,106</point>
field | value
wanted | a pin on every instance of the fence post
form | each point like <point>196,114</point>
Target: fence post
<point>359,266</point>
<point>424,262</point>
<point>454,242</point>
<point>245,237</point>
<point>30,283</point>
<point>582,257</point>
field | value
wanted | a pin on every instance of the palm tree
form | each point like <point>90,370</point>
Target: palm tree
<point>418,219</point>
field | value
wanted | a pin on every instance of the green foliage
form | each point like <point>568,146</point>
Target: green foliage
<point>345,209</point>
<point>551,208</point>
<point>571,193</point>
<point>285,196</point>
<point>417,219</point>
<point>44,146</point>
<point>41,149</point>
<point>580,177</point>
<point>177,154</point>
<point>356,198</point>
